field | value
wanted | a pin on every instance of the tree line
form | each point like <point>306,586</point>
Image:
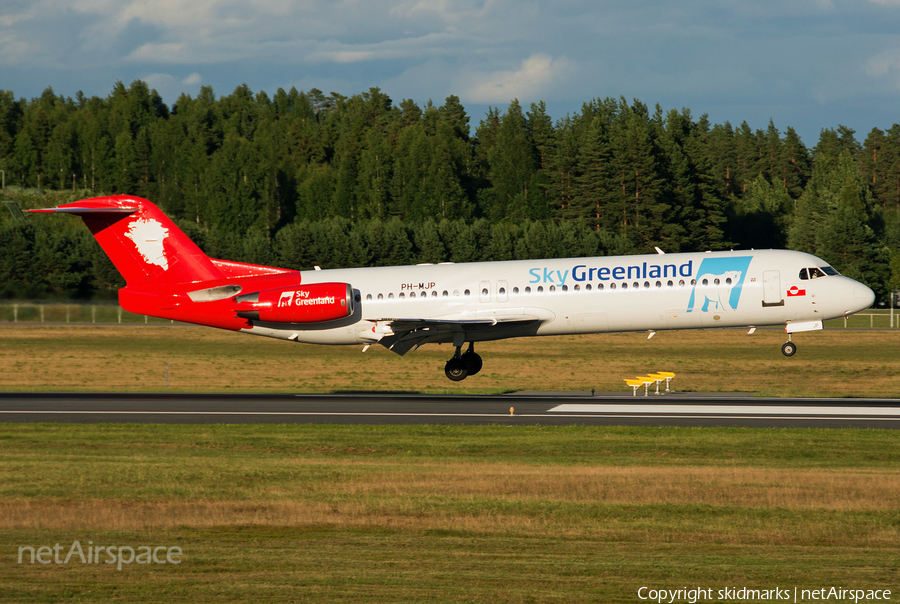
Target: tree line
<point>303,178</point>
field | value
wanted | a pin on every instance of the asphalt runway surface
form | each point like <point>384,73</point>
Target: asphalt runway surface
<point>556,409</point>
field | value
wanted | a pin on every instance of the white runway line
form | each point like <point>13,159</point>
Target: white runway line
<point>776,410</point>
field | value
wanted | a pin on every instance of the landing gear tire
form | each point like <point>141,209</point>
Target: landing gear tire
<point>472,361</point>
<point>789,349</point>
<point>456,370</point>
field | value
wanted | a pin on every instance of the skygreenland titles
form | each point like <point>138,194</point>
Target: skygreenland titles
<point>581,272</point>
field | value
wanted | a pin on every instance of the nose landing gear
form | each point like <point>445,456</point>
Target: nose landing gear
<point>789,348</point>
<point>463,365</point>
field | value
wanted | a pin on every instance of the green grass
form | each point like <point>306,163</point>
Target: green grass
<point>268,513</point>
<point>330,565</point>
<point>446,513</point>
<point>839,363</point>
<point>533,445</point>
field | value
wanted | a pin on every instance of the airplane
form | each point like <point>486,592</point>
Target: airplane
<point>404,307</point>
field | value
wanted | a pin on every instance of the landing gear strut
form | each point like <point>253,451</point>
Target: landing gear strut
<point>472,359</point>
<point>789,348</point>
<point>463,365</point>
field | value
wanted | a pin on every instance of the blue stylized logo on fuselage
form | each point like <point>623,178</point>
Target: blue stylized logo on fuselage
<point>719,283</point>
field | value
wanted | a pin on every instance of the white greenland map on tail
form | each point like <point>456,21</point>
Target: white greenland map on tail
<point>148,236</point>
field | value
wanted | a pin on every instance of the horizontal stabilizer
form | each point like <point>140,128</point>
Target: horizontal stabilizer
<point>78,211</point>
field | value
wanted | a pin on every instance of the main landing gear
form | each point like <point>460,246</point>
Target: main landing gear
<point>463,365</point>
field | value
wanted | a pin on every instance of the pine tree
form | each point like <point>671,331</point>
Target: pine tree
<point>761,217</point>
<point>60,161</point>
<point>793,164</point>
<point>460,241</point>
<point>748,155</point>
<point>698,211</point>
<point>543,137</point>
<point>831,220</point>
<point>454,114</point>
<point>639,209</point>
<point>833,143</point>
<point>722,153</point>
<point>504,236</point>
<point>511,166</point>
<point>446,174</point>
<point>429,247</point>
<point>10,118</point>
<point>375,175</point>
<point>595,185</point>
<point>562,169</point>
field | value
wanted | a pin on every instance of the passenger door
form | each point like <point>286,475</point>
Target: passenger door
<point>772,289</point>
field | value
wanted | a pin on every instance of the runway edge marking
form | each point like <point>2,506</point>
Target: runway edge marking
<point>754,410</point>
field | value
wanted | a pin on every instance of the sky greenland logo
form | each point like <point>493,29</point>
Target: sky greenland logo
<point>148,236</point>
<point>719,283</point>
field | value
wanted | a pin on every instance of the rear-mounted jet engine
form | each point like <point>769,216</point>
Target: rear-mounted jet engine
<point>297,304</point>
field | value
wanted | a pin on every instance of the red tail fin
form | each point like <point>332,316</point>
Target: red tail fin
<point>144,245</point>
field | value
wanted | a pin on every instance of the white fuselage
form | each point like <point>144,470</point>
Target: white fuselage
<point>587,295</point>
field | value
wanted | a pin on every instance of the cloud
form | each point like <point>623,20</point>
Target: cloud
<point>533,79</point>
<point>171,86</point>
<point>277,32</point>
<point>468,14</point>
<point>771,57</point>
<point>885,64</point>
<point>13,49</point>
<point>171,52</point>
<point>417,48</point>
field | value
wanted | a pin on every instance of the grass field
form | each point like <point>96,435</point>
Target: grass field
<point>446,514</point>
<point>833,362</point>
<point>267,513</point>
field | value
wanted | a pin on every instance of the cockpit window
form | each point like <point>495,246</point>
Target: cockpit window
<point>815,273</point>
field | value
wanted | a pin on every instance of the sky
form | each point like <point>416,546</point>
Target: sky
<point>806,64</point>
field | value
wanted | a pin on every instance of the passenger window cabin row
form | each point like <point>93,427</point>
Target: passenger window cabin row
<point>636,285</point>
<point>805,274</point>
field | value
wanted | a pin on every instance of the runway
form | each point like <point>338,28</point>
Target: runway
<point>556,409</point>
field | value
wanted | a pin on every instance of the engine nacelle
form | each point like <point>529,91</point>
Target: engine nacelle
<point>298,304</point>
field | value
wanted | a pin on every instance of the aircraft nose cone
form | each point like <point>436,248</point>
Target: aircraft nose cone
<point>863,297</point>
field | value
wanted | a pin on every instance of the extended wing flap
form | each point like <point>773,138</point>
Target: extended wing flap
<point>408,334</point>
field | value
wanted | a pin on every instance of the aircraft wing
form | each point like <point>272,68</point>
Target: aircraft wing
<point>403,335</point>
